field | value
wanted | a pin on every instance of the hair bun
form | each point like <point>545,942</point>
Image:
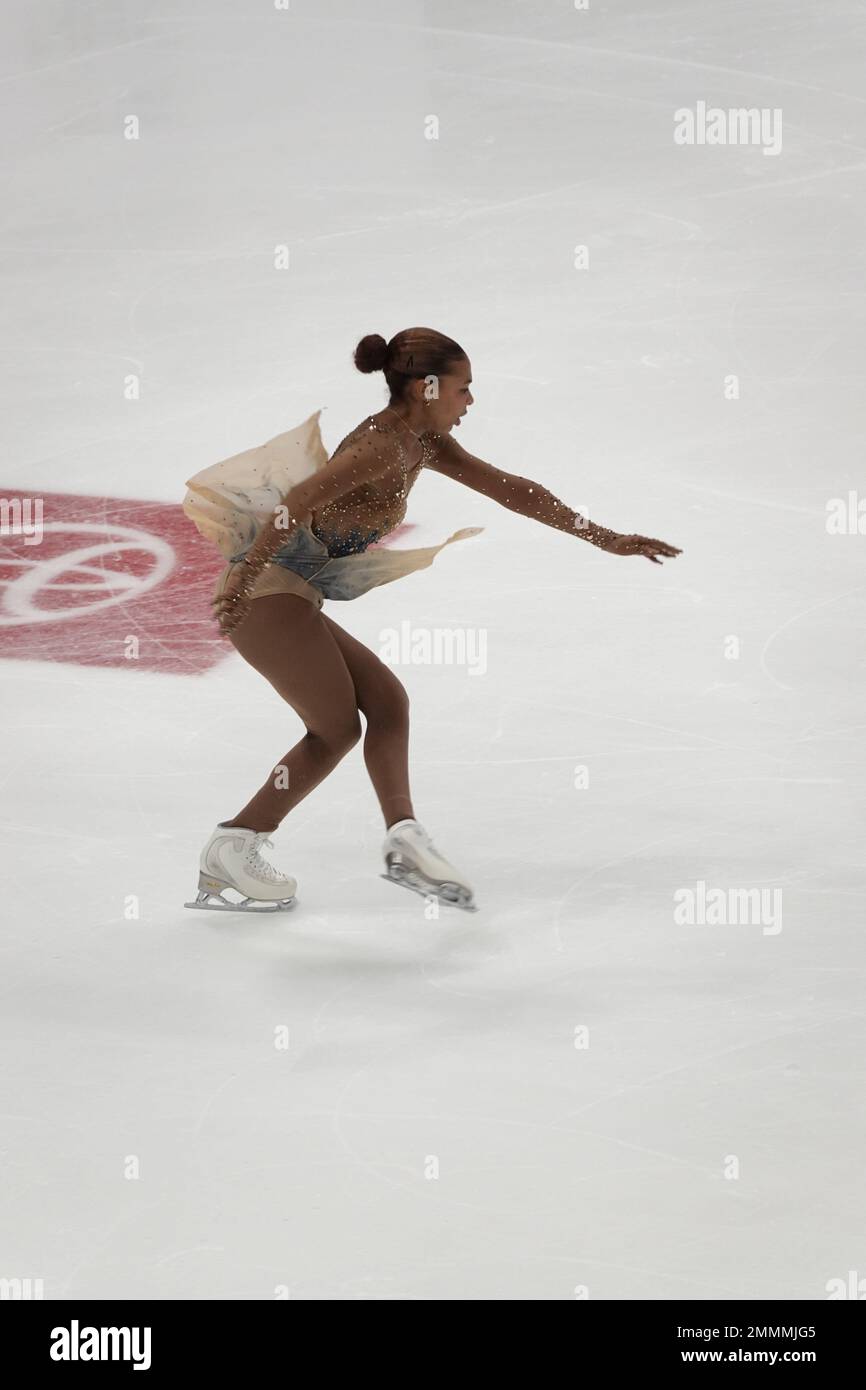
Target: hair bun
<point>371,353</point>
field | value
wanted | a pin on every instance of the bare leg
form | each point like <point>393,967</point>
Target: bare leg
<point>383,701</point>
<point>287,639</point>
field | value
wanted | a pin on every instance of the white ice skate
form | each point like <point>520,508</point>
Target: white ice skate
<point>231,860</point>
<point>413,861</point>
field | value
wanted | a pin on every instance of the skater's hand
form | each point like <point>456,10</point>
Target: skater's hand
<point>641,545</point>
<point>233,604</point>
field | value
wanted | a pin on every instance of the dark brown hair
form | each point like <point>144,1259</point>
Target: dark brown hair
<point>414,354</point>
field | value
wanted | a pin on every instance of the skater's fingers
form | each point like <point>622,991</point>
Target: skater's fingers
<point>231,617</point>
<point>650,543</point>
<point>652,549</point>
<point>226,603</point>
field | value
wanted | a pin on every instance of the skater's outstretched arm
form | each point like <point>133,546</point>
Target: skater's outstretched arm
<point>531,499</point>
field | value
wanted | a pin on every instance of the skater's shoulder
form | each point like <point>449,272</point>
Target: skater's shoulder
<point>367,446</point>
<point>444,455</point>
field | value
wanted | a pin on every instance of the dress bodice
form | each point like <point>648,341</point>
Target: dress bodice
<point>368,512</point>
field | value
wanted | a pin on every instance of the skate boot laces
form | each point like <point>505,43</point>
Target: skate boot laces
<point>417,831</point>
<point>259,867</point>
<point>426,840</point>
<point>428,843</point>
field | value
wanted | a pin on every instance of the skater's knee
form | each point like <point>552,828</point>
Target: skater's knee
<point>387,705</point>
<point>338,736</point>
<point>348,733</point>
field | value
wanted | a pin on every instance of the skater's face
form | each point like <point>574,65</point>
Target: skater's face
<point>454,399</point>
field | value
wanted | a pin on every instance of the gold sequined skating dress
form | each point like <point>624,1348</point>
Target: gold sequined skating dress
<point>336,556</point>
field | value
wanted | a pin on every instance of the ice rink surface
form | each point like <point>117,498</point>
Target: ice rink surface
<point>573,1092</point>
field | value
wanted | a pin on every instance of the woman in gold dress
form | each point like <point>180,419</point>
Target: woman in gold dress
<point>269,603</point>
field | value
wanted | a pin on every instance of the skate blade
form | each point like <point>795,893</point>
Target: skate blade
<point>253,907</point>
<point>427,890</point>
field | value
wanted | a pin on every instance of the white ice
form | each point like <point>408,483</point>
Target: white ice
<point>708,1142</point>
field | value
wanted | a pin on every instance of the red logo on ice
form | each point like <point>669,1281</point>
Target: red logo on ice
<point>104,581</point>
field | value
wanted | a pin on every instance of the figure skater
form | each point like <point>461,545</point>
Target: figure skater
<point>314,545</point>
